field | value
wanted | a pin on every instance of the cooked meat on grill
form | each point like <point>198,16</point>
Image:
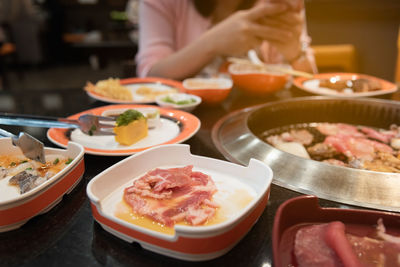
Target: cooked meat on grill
<point>301,136</point>
<point>341,144</point>
<point>322,151</point>
<point>336,162</point>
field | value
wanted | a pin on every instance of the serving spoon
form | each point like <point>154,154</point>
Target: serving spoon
<point>29,145</point>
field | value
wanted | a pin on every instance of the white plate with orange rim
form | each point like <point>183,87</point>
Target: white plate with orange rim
<point>152,85</point>
<point>175,126</point>
<point>17,208</point>
<point>312,85</point>
<point>242,195</point>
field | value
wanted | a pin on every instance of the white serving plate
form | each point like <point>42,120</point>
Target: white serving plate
<point>194,243</point>
<point>312,85</point>
<point>175,126</point>
<point>133,84</point>
<point>16,209</point>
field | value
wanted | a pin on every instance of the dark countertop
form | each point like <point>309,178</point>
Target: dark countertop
<point>67,235</point>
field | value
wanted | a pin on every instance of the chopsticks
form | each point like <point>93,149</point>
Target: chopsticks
<point>268,67</point>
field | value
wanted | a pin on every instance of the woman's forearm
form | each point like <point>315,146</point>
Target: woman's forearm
<point>186,62</point>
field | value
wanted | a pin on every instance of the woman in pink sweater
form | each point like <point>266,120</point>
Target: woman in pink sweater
<point>184,38</point>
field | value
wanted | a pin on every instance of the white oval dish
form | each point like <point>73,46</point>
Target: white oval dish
<point>312,85</point>
<point>16,210</point>
<point>193,243</point>
<point>134,84</point>
<point>176,98</point>
<point>176,126</point>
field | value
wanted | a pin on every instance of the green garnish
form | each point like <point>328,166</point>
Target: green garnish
<point>68,161</point>
<point>92,129</point>
<point>24,161</point>
<point>28,169</point>
<point>13,163</point>
<point>168,99</point>
<point>56,161</point>
<point>128,116</point>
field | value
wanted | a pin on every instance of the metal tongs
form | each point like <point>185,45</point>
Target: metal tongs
<point>29,145</point>
<point>87,123</point>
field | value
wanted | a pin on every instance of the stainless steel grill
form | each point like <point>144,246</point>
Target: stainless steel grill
<point>236,137</point>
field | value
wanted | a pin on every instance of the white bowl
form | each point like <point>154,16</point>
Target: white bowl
<point>175,98</point>
<point>242,195</point>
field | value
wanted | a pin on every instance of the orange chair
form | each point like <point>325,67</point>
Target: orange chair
<point>397,73</point>
<point>333,58</point>
<point>7,49</point>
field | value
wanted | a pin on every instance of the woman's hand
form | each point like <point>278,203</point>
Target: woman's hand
<point>243,30</point>
<point>293,23</point>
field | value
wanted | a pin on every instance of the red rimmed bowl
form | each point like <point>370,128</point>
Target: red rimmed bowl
<point>304,211</point>
<point>251,80</point>
<point>211,90</point>
<point>16,209</point>
<point>193,243</point>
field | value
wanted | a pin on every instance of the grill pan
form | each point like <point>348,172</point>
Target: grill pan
<point>236,137</point>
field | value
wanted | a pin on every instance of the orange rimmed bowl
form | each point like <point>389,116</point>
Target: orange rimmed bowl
<point>16,209</point>
<point>251,80</point>
<point>248,186</point>
<point>211,90</point>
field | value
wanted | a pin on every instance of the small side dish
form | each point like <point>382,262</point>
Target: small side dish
<point>29,188</point>
<point>178,204</point>
<point>211,90</point>
<point>110,88</point>
<point>182,101</point>
<point>254,80</point>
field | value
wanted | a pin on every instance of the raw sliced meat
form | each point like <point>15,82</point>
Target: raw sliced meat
<point>381,136</point>
<point>330,245</point>
<point>335,238</point>
<point>173,195</point>
<point>311,249</point>
<point>360,148</point>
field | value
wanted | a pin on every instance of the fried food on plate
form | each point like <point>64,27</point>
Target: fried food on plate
<point>110,88</point>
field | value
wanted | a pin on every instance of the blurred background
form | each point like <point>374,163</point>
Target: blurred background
<point>52,48</point>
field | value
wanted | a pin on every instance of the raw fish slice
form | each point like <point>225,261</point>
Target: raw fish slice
<point>24,180</point>
<point>3,172</point>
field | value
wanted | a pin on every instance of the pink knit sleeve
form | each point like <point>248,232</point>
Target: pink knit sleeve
<point>156,31</point>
